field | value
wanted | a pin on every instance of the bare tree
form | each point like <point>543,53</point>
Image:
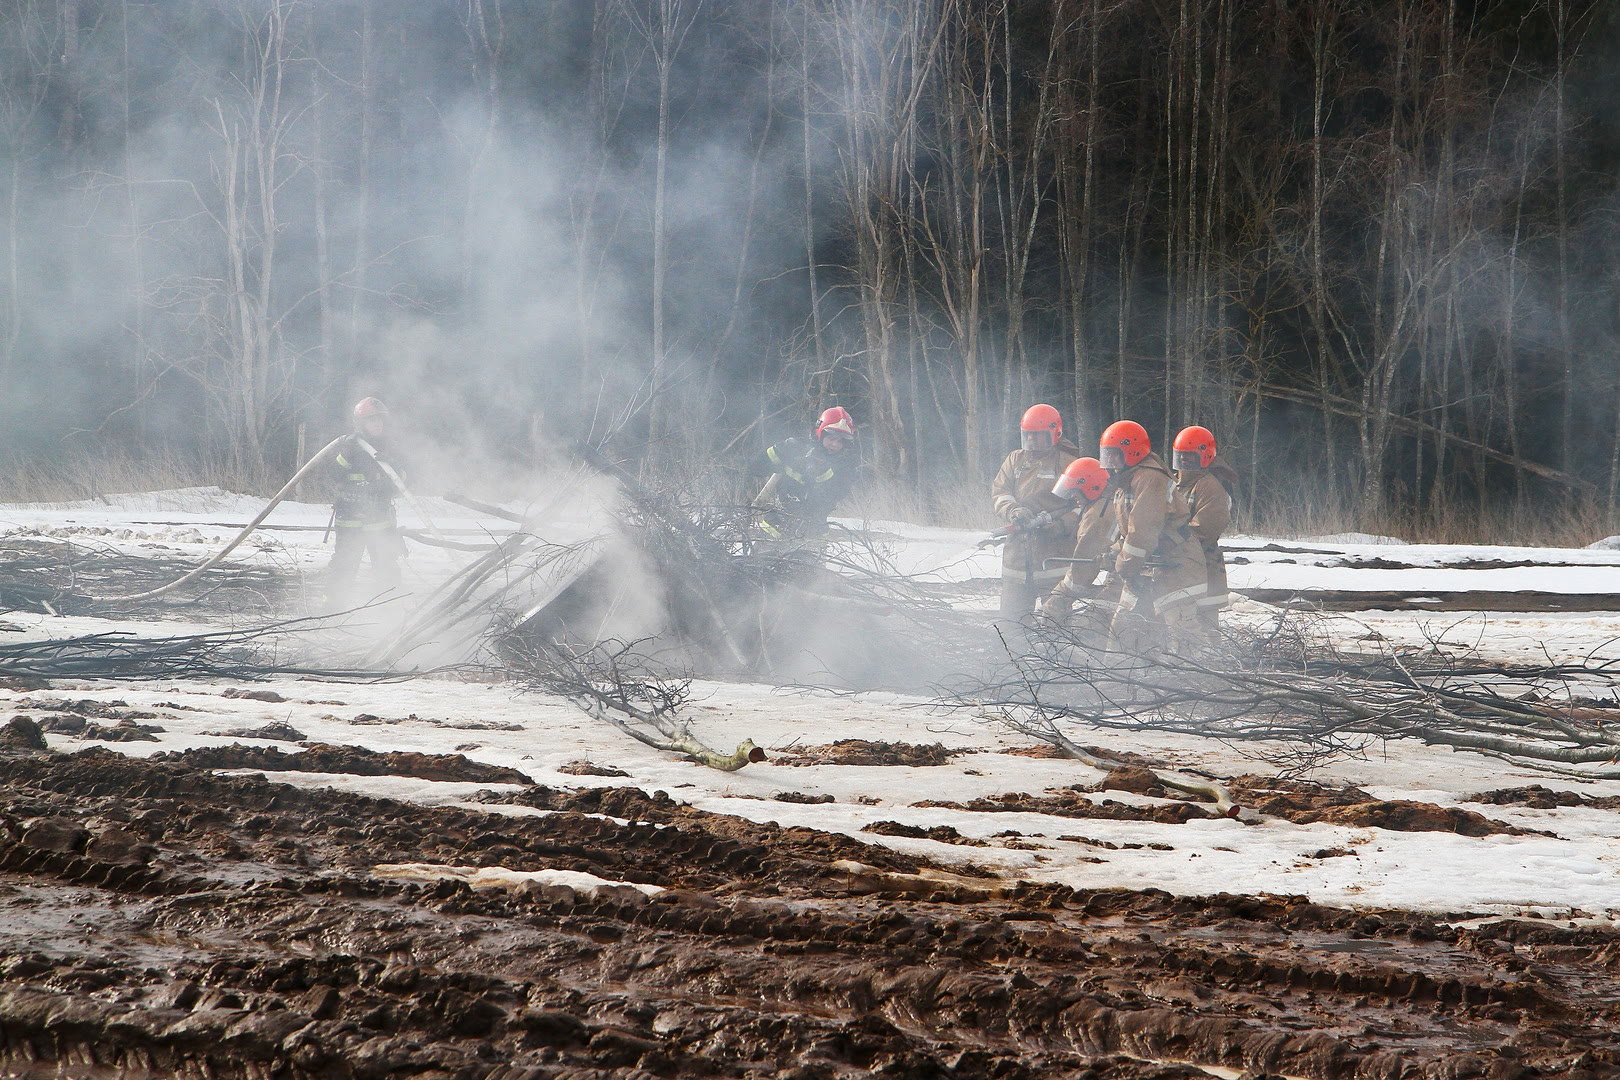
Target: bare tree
<point>253,161</point>
<point>29,42</point>
<point>665,28</point>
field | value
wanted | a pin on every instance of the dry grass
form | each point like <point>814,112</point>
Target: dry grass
<point>1569,525</point>
<point>1573,524</point>
<point>958,505</point>
<point>78,475</point>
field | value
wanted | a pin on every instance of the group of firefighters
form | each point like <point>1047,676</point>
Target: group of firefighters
<point>1131,541</point>
<point>1121,547</point>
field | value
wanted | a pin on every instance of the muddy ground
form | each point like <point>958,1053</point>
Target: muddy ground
<point>164,920</point>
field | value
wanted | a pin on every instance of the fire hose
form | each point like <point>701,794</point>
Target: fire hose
<point>1007,532</point>
<point>321,456</point>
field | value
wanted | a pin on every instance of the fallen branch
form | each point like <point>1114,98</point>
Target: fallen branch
<point>1289,695</point>
<point>235,654</point>
<point>612,683</point>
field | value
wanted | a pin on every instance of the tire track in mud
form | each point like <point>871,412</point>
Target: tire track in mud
<point>166,921</point>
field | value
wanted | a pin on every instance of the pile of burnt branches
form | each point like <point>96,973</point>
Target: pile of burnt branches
<point>698,586</point>
<point>247,654</point>
<point>1295,697</point>
<point>52,576</point>
<point>765,599</point>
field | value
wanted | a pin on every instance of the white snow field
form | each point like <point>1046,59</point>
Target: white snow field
<point>1569,875</point>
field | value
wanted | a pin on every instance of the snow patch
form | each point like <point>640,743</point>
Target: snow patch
<point>498,877</point>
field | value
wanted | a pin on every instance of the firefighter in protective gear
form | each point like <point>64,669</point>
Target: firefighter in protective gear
<point>1042,524</point>
<point>808,478</point>
<point>1085,483</point>
<point>363,509</point>
<point>1157,602</point>
<point>1208,484</point>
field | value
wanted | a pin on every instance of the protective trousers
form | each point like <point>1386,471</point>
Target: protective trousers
<point>1214,598</point>
<point>384,546</point>
<point>1086,612</point>
<point>1158,609</point>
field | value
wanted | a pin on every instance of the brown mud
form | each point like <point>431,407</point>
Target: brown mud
<point>1298,801</point>
<point>329,758</point>
<point>944,834</point>
<point>1305,803</point>
<point>867,752</point>
<point>1072,803</point>
<point>1538,797</point>
<point>166,921</point>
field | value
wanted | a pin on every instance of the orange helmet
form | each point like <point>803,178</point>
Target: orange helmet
<point>836,419</point>
<point>1195,448</point>
<point>1124,443</point>
<point>1084,476</point>
<point>1041,419</point>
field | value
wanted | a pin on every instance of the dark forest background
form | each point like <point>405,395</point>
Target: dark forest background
<point>1374,245</point>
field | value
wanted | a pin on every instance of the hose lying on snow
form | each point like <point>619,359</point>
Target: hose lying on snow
<point>325,452</point>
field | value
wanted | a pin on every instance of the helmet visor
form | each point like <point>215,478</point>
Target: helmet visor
<point>1112,458</point>
<point>1066,488</point>
<point>1037,442</point>
<point>834,440</point>
<point>1189,459</point>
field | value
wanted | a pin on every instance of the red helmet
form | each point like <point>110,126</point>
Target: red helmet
<point>1195,448</point>
<point>1124,443</point>
<point>836,419</point>
<point>1041,428</point>
<point>1042,418</point>
<point>366,408</point>
<point>1084,476</point>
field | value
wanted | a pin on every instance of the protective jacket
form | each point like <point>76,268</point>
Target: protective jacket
<point>1025,480</point>
<point>1093,539</point>
<point>1089,582</point>
<point>1153,521</point>
<point>812,481</point>
<point>365,492</point>
<point>1209,496</point>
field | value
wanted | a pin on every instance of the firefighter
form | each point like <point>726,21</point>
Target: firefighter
<point>1207,483</point>
<point>1041,524</point>
<point>363,510</point>
<point>1085,483</point>
<point>1158,560</point>
<point>808,478</point>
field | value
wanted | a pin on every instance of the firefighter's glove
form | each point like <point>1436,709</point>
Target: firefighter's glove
<point>1129,566</point>
<point>1040,520</point>
<point>1023,517</point>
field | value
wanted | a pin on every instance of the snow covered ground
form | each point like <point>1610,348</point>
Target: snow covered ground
<point>1571,874</point>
